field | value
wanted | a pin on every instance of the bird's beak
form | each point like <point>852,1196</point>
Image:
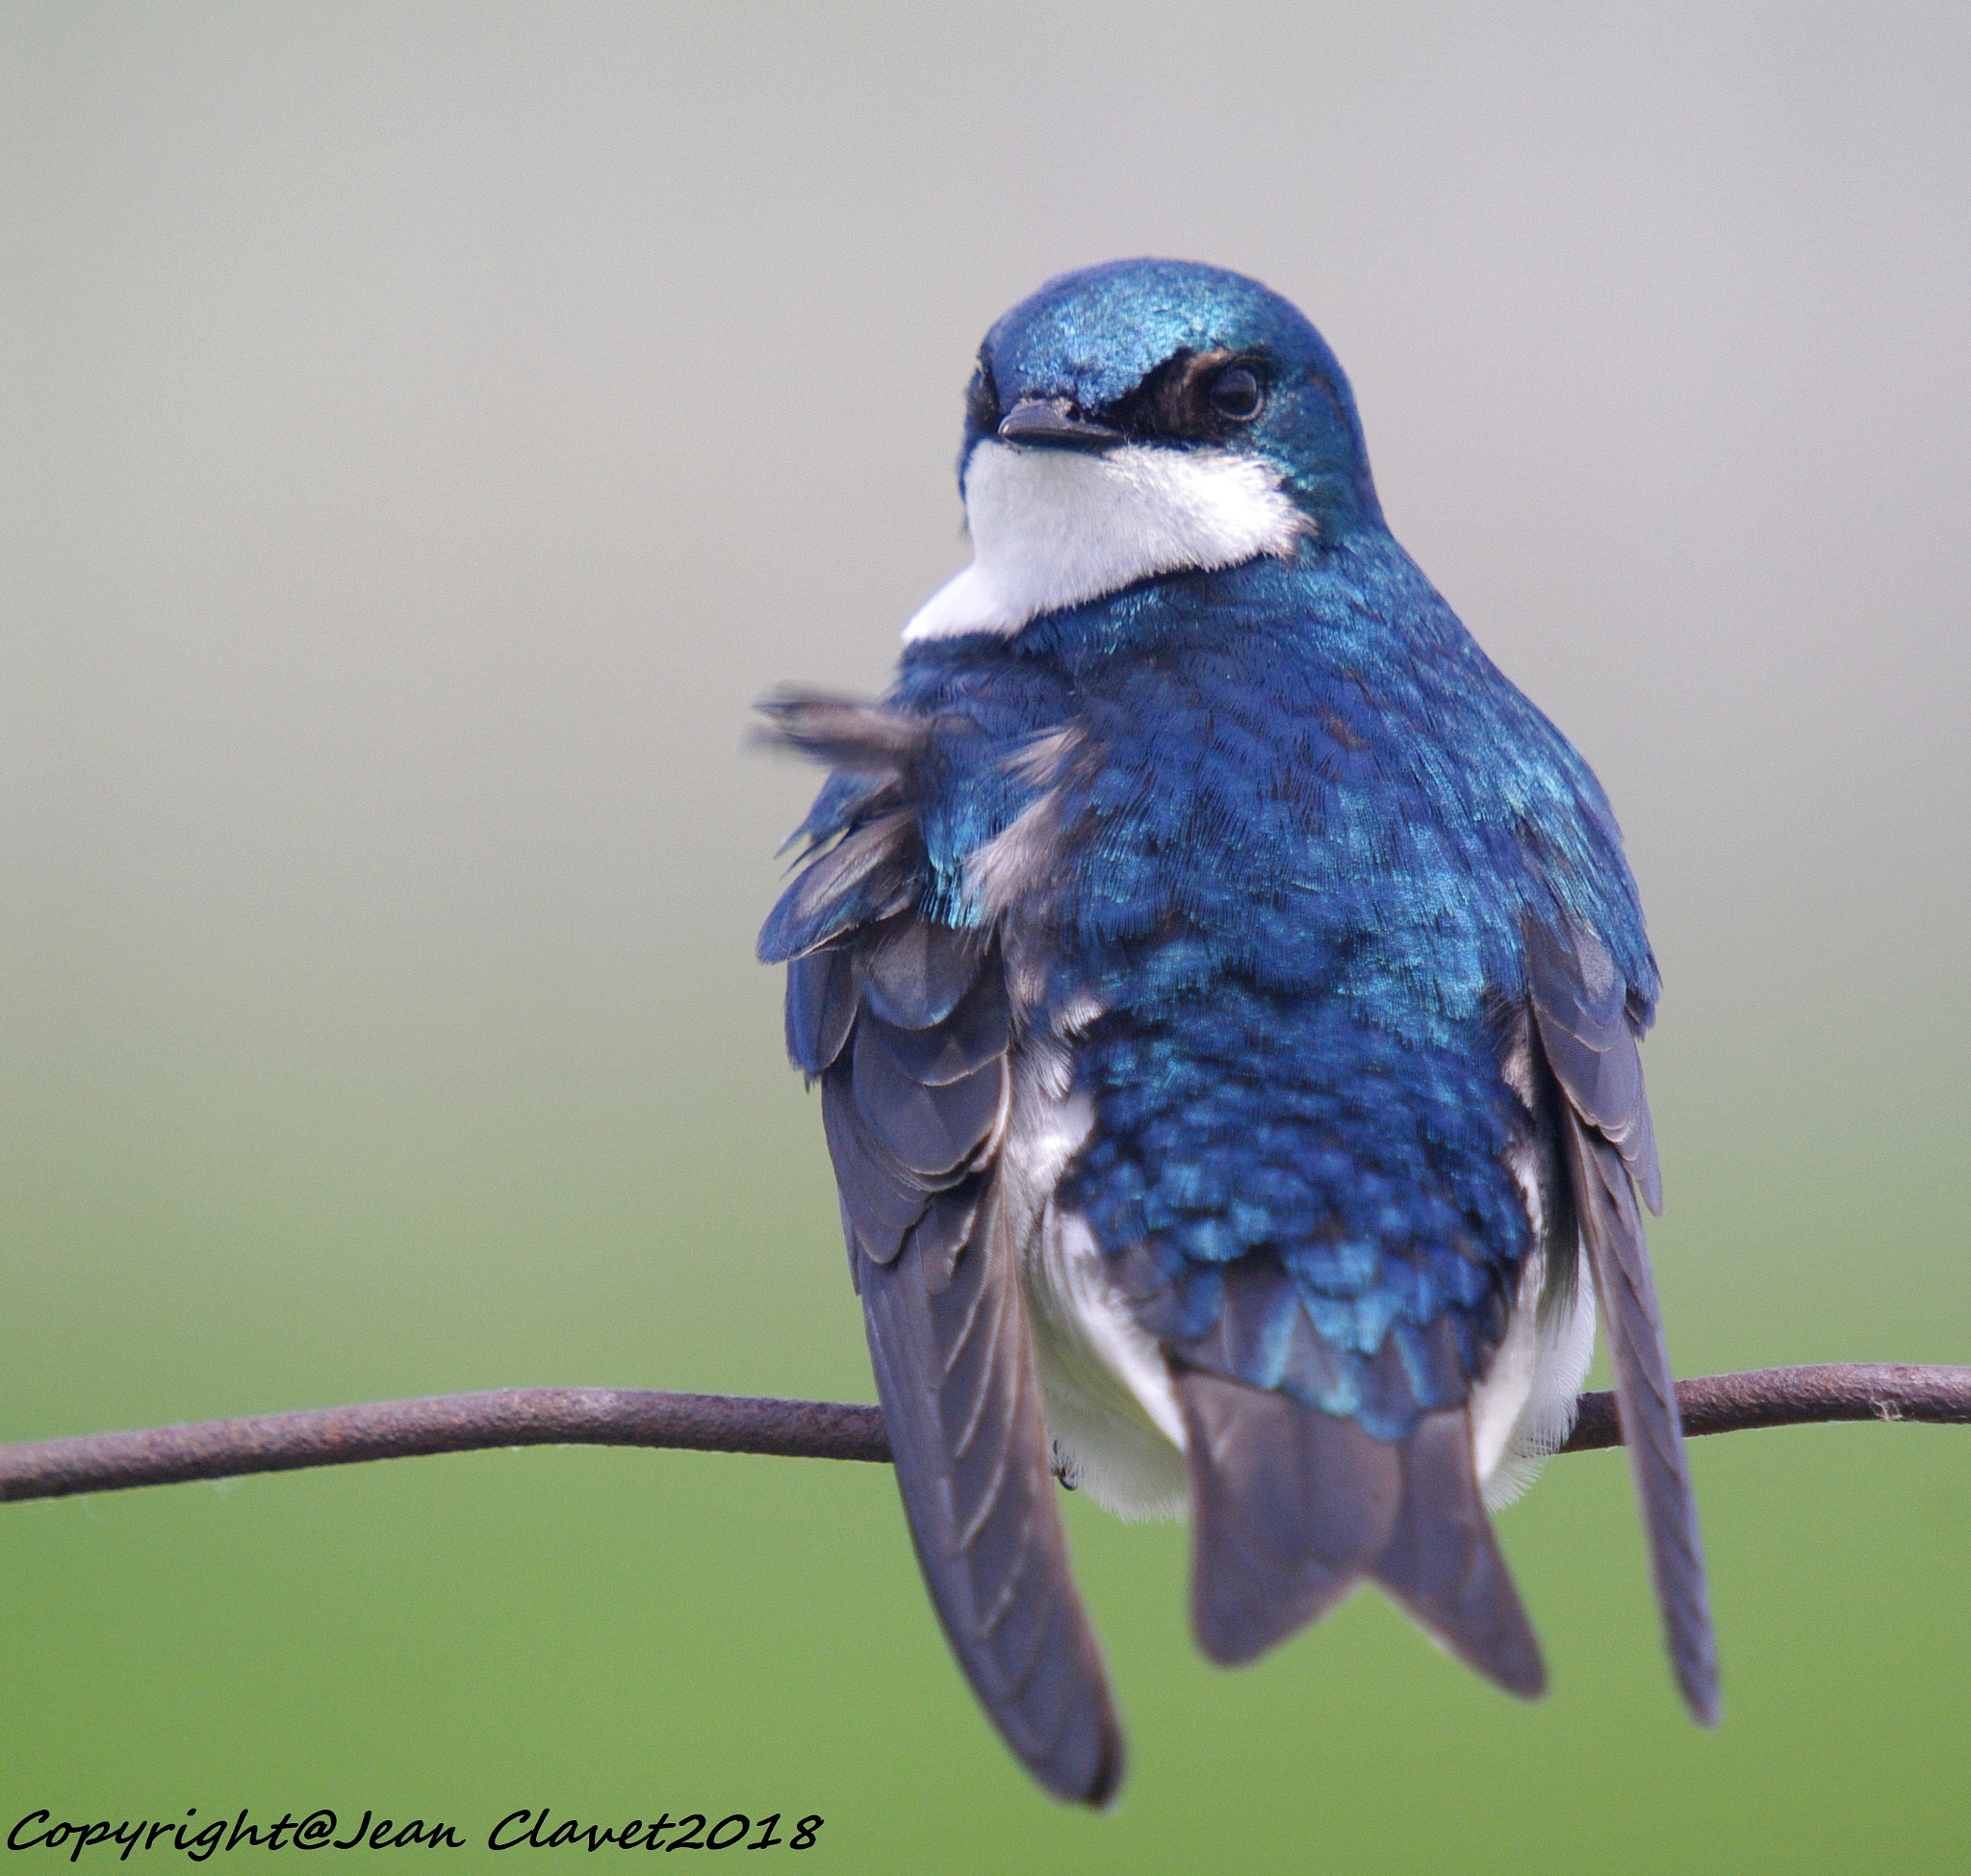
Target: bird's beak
<point>1054,424</point>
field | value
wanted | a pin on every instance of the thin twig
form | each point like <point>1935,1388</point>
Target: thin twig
<point>806,1430</point>
<point>448,1423</point>
<point>1792,1397</point>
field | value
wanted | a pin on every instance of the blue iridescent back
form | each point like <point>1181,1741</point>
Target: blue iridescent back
<point>1302,830</point>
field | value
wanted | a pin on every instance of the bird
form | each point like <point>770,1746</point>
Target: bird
<point>1225,988</point>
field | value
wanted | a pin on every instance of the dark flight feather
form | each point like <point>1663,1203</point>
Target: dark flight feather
<point>949,1338</point>
<point>914,971</point>
<point>909,1027</point>
<point>869,874</point>
<point>930,1128</point>
<point>880,1201</point>
<point>821,1005</point>
<point>1608,1146</point>
<point>1291,1508</point>
<point>1582,1004</point>
<point>976,1032</point>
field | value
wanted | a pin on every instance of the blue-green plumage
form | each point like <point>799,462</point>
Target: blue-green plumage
<point>1262,860</point>
<point>1293,873</point>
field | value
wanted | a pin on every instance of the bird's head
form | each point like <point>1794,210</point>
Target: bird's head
<point>1140,419</point>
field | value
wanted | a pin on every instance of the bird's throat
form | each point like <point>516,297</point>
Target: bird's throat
<point>1053,528</point>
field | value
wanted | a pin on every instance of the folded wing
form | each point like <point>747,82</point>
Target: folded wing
<point>906,1024</point>
<point>1608,1146</point>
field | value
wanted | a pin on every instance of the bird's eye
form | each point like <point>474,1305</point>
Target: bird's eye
<point>1236,393</point>
<point>982,402</point>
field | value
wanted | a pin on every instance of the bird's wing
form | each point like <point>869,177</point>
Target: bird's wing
<point>1609,1148</point>
<point>906,1024</point>
<point>1290,1506</point>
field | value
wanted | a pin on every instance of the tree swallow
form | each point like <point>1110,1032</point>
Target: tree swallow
<point>1225,988</point>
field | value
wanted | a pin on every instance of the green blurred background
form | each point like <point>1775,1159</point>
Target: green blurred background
<point>428,428</point>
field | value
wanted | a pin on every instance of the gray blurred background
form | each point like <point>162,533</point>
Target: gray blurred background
<point>428,429</point>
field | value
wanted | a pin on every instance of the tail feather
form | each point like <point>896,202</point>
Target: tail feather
<point>1291,1507</point>
<point>1443,1564</point>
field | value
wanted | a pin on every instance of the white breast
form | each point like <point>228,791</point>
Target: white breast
<point>1053,527</point>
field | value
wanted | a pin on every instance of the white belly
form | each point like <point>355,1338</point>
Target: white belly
<point>1117,1432</point>
<point>1525,1407</point>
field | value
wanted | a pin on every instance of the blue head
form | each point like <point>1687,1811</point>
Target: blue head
<point>1183,356</point>
<point>1145,418</point>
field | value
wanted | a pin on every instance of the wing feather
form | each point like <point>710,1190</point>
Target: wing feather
<point>908,1024</point>
<point>1608,1146</point>
<point>953,1368</point>
<point>821,1005</point>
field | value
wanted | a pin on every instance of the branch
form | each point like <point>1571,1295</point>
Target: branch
<point>808,1429</point>
<point>1770,1397</point>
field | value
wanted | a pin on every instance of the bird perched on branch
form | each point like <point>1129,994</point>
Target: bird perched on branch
<point>1224,988</point>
